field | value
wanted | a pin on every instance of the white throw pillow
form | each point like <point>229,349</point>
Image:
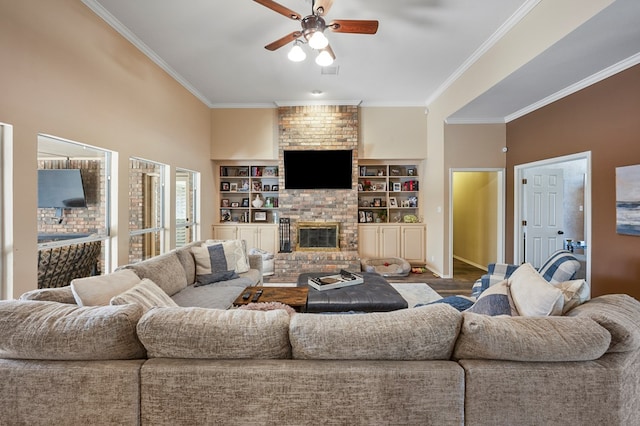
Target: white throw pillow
<point>575,293</point>
<point>235,252</point>
<point>533,295</point>
<point>146,294</point>
<point>98,290</point>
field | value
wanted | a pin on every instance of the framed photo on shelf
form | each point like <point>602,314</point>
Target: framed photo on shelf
<point>245,202</point>
<point>362,216</point>
<point>259,216</point>
<point>397,186</point>
<point>270,171</point>
<point>275,188</point>
<point>257,186</point>
<point>225,202</point>
<point>411,172</point>
<point>233,187</point>
<point>377,202</point>
<point>369,216</point>
<point>244,185</point>
<point>393,202</point>
<point>266,188</point>
<point>381,186</point>
<point>225,216</point>
<point>360,187</point>
<point>235,204</point>
<point>243,171</point>
<point>224,186</point>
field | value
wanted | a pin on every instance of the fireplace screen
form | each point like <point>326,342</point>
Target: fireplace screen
<point>318,236</point>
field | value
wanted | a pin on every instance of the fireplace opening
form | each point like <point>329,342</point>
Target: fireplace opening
<point>318,236</point>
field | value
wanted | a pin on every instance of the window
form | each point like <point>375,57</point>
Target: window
<point>187,222</point>
<point>146,209</point>
<point>66,167</point>
<point>6,232</point>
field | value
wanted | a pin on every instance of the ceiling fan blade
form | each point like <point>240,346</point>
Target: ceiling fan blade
<point>321,7</point>
<point>276,7</point>
<point>284,40</point>
<point>353,26</point>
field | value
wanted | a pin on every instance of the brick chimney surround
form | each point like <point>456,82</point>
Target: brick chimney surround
<point>326,127</point>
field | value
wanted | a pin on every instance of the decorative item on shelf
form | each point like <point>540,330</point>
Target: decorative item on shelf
<point>411,172</point>
<point>410,218</point>
<point>244,185</point>
<point>366,185</point>
<point>268,202</point>
<point>266,188</point>
<point>225,202</point>
<point>396,187</point>
<point>235,204</point>
<point>413,201</point>
<point>257,202</point>
<point>245,202</point>
<point>233,187</point>
<point>257,186</point>
<point>271,171</point>
<point>259,216</point>
<point>275,188</point>
<point>224,186</point>
<point>225,216</point>
<point>393,202</point>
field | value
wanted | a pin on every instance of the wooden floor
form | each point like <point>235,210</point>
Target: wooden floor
<point>464,275</point>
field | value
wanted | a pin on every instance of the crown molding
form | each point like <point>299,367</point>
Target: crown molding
<point>315,103</point>
<point>582,84</point>
<point>484,48</point>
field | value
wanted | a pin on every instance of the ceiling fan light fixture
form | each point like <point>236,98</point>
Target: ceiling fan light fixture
<point>324,59</point>
<point>296,54</point>
<point>318,40</point>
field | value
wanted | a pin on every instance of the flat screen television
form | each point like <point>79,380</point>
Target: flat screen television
<point>318,169</point>
<point>60,188</point>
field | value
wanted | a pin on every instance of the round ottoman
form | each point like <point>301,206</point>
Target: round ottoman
<point>387,266</point>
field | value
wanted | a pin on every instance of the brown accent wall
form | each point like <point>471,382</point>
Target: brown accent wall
<point>604,119</point>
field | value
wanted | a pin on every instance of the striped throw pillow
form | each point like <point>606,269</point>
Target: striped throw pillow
<point>560,267</point>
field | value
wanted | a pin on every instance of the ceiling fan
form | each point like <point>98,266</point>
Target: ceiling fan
<point>312,31</point>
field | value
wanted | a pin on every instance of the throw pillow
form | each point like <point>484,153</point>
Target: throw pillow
<point>561,266</point>
<point>461,303</point>
<point>215,277</point>
<point>533,295</point>
<point>146,294</point>
<point>234,249</point>
<point>496,300</point>
<point>97,291</point>
<point>575,293</point>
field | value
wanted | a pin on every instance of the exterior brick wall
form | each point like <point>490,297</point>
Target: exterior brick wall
<point>333,127</point>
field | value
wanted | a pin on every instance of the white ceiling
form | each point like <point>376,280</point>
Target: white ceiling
<point>216,50</point>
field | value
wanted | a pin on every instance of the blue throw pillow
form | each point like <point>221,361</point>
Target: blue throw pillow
<point>458,302</point>
<point>215,277</point>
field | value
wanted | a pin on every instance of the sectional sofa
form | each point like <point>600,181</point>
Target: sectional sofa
<point>133,364</point>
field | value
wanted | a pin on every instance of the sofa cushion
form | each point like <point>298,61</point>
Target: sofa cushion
<point>164,270</point>
<point>98,290</point>
<point>532,294</point>
<point>561,266</point>
<point>58,294</point>
<point>58,331</point>
<point>618,313</point>
<point>496,300</point>
<point>146,294</point>
<point>219,296</point>
<point>188,262</point>
<point>424,333</point>
<point>544,339</point>
<point>215,334</point>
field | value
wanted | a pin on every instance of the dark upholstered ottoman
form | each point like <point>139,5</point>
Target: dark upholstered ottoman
<point>375,294</point>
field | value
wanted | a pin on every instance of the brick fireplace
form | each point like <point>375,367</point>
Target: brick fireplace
<point>323,127</point>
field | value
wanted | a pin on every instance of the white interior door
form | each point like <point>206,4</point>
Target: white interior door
<point>544,214</point>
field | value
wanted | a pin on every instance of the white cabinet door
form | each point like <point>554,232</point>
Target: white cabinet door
<point>225,232</point>
<point>389,241</point>
<point>414,244</point>
<point>268,238</point>
<point>368,241</point>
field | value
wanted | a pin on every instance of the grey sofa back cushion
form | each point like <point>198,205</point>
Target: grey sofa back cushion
<point>57,331</point>
<point>618,313</point>
<point>424,333</point>
<point>60,294</point>
<point>164,270</point>
<point>215,334</point>
<point>188,262</point>
<point>543,339</point>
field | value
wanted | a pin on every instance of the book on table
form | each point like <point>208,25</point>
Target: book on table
<point>342,279</point>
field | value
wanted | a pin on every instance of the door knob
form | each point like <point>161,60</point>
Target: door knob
<point>560,232</point>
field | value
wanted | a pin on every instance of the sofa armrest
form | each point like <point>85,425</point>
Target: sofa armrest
<point>255,262</point>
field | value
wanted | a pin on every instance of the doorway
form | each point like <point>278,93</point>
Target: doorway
<point>476,233</point>
<point>548,218</point>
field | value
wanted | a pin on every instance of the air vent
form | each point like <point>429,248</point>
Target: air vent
<point>329,70</point>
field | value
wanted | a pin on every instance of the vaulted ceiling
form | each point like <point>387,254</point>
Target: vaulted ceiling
<point>216,50</point>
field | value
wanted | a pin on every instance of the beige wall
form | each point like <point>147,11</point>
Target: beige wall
<point>66,73</point>
<point>393,133</point>
<point>244,133</point>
